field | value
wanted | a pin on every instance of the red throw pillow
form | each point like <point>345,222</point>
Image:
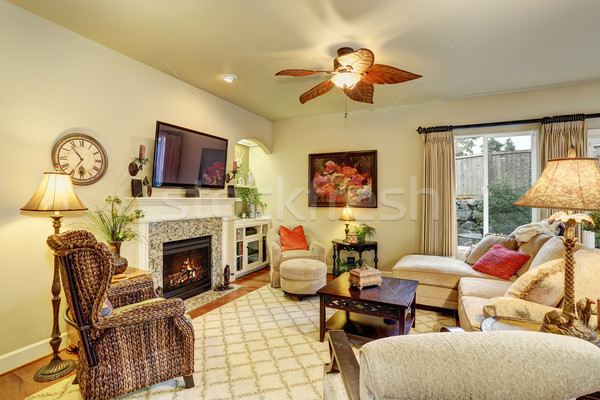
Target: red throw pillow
<point>292,240</point>
<point>501,262</point>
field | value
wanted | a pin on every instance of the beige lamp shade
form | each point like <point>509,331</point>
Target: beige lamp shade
<point>55,193</point>
<point>347,214</point>
<point>566,184</point>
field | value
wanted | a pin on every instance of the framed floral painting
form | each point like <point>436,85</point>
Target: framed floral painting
<point>337,179</point>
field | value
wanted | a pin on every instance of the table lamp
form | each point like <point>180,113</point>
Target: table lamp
<point>55,193</point>
<point>347,216</point>
<point>571,184</point>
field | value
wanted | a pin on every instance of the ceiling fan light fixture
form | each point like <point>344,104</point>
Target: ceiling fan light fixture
<point>229,78</point>
<point>345,80</point>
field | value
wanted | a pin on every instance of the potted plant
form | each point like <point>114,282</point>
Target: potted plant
<point>112,223</point>
<point>251,197</point>
<point>362,231</point>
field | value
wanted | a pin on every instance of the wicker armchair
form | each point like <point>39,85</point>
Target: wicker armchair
<point>144,341</point>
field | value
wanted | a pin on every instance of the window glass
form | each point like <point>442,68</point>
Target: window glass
<point>492,172</point>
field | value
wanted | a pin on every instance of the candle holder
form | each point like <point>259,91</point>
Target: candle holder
<point>137,164</point>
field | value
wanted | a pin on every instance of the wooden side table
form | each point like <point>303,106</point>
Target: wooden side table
<point>339,245</point>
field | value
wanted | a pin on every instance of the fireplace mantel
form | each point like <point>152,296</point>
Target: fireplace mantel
<point>177,208</point>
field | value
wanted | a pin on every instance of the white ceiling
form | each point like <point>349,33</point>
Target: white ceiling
<point>462,48</point>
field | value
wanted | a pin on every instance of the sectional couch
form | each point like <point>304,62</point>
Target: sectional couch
<point>453,284</point>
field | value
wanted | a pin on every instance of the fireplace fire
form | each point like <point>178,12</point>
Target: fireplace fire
<point>187,267</point>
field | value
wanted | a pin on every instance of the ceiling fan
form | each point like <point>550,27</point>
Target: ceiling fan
<point>354,73</point>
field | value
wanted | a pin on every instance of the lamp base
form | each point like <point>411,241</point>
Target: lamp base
<point>569,324</point>
<point>56,369</point>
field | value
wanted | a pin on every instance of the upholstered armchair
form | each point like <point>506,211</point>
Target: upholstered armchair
<point>316,251</point>
<point>463,365</point>
<point>144,340</point>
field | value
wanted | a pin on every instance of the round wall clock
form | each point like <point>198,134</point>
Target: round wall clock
<point>80,156</point>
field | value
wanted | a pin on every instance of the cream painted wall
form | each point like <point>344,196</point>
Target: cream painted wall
<point>54,82</point>
<point>392,132</point>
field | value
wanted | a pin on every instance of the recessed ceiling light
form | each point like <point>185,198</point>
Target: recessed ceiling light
<point>229,77</point>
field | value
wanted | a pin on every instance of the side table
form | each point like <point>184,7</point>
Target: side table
<point>339,245</point>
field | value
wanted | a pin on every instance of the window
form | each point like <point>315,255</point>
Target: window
<point>592,238</point>
<point>492,172</point>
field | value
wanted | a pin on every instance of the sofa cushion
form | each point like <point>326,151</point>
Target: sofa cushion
<point>513,309</point>
<point>542,285</point>
<point>291,254</point>
<point>481,287</point>
<point>506,365</point>
<point>501,262</point>
<point>531,248</point>
<point>587,274</point>
<point>551,250</point>
<point>470,312</point>
<point>475,253</point>
<point>292,239</point>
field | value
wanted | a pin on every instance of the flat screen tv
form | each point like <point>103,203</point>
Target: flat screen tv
<point>186,158</point>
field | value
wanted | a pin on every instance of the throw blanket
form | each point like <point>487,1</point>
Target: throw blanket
<point>525,233</point>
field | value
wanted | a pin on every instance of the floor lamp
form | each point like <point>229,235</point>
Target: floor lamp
<point>571,184</point>
<point>55,193</point>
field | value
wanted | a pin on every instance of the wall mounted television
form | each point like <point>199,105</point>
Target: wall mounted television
<point>186,158</point>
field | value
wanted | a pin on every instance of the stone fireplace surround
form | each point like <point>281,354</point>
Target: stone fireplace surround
<point>170,219</point>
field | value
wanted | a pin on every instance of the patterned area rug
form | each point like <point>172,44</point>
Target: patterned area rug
<point>264,345</point>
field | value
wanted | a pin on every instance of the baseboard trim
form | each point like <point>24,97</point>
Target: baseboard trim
<point>25,355</point>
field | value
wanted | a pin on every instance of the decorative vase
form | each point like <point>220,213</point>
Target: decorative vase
<point>240,181</point>
<point>250,179</point>
<point>361,238</point>
<point>120,262</point>
<point>252,210</point>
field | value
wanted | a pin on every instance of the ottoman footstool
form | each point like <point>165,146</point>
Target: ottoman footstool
<point>302,277</point>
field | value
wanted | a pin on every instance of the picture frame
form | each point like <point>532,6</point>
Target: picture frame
<point>212,168</point>
<point>343,178</point>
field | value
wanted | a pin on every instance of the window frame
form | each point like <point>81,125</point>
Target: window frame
<point>535,167</point>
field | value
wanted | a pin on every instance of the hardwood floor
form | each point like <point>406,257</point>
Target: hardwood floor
<point>19,384</point>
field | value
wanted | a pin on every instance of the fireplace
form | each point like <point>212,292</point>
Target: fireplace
<point>187,266</point>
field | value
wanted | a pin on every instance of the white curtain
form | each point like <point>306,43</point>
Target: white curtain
<point>438,213</point>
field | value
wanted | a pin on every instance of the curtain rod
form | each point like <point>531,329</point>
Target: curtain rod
<point>500,123</point>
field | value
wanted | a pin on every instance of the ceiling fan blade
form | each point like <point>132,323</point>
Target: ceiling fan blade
<point>382,74</point>
<point>318,90</point>
<point>299,72</point>
<point>359,60</point>
<point>362,91</point>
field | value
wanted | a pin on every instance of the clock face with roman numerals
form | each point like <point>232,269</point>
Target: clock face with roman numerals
<point>80,156</point>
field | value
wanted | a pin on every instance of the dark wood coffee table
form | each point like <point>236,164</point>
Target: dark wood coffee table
<point>370,313</point>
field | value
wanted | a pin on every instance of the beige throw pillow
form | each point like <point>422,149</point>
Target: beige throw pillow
<point>542,285</point>
<point>551,250</point>
<point>512,309</point>
<point>486,244</point>
<point>587,274</point>
<point>531,248</point>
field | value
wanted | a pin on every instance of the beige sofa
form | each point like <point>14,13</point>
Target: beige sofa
<point>451,283</point>
<point>499,365</point>
<point>439,276</point>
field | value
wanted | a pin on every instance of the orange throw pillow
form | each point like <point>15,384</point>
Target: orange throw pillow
<point>292,240</point>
